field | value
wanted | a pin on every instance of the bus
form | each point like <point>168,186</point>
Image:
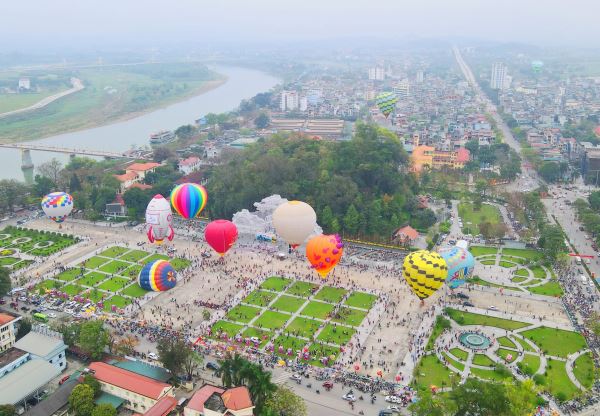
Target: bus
<point>40,317</point>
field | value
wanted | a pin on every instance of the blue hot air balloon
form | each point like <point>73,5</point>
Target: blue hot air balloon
<point>460,265</point>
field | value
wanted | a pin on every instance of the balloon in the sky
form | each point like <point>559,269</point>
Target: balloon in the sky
<point>324,252</point>
<point>158,276</point>
<point>386,102</point>
<point>294,221</point>
<point>460,265</point>
<point>221,235</point>
<point>425,272</point>
<point>537,65</point>
<point>159,219</point>
<point>57,206</point>
<point>189,199</point>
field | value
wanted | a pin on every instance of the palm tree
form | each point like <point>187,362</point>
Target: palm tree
<point>260,386</point>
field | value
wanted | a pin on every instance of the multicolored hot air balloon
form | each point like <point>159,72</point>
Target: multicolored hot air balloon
<point>460,265</point>
<point>158,276</point>
<point>57,206</point>
<point>294,221</point>
<point>189,199</point>
<point>425,272</point>
<point>324,252</point>
<point>159,218</point>
<point>537,65</point>
<point>221,235</point>
<point>386,102</point>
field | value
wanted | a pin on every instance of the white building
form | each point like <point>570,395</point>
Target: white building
<point>402,89</point>
<point>47,346</point>
<point>189,165</point>
<point>498,76</point>
<point>7,330</point>
<point>289,101</point>
<point>303,105</point>
<point>24,84</point>
<point>376,74</point>
<point>420,76</point>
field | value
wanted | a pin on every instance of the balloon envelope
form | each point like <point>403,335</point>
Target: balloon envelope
<point>221,235</point>
<point>425,272</point>
<point>57,206</point>
<point>324,252</point>
<point>158,276</point>
<point>386,102</point>
<point>159,220</point>
<point>189,199</point>
<point>294,221</point>
<point>460,265</point>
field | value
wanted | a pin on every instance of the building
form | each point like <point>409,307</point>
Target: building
<point>402,89</point>
<point>214,401</point>
<point>420,76</point>
<point>24,84</point>
<point>189,165</point>
<point>376,74</point>
<point>28,380</point>
<point>405,235</point>
<point>47,346</point>
<point>135,173</point>
<point>117,208</point>
<point>497,80</point>
<point>428,157</point>
<point>289,101</point>
<point>7,330</point>
<point>303,105</point>
<point>316,128</point>
<point>138,393</point>
<point>11,359</point>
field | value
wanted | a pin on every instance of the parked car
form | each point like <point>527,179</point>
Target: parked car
<point>212,366</point>
<point>152,356</point>
<point>468,304</point>
<point>62,380</point>
<point>349,397</point>
<point>462,295</point>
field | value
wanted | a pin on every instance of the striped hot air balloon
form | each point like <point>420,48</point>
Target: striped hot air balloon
<point>425,272</point>
<point>157,276</point>
<point>189,199</point>
<point>386,103</point>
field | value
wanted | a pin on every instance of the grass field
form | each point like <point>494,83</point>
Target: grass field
<point>288,303</point>
<point>505,342</point>
<point>114,252</point>
<point>91,279</point>
<point>94,262</point>
<point>114,284</point>
<point>331,294</point>
<point>551,288</point>
<point>10,102</point>
<point>506,264</point>
<point>336,334</point>
<point>302,289</point>
<point>530,361</point>
<point>460,354</point>
<point>482,250</point>
<point>487,262</point>
<point>491,375</point>
<point>286,342</point>
<point>318,310</point>
<point>260,298</point>
<point>556,342</point>
<point>468,318</point>
<point>518,279</point>
<point>504,354</point>
<point>263,336</point>
<point>483,360</point>
<point>538,272</point>
<point>242,313</point>
<point>453,362</point>
<point>118,301</point>
<point>68,275</point>
<point>228,328</point>
<point>134,290</point>
<point>349,316</point>
<point>584,371</point>
<point>557,380</point>
<point>471,218</point>
<point>525,253</point>
<point>271,320</point>
<point>438,328</point>
<point>522,272</point>
<point>275,283</point>
<point>430,371</point>
<point>525,344</point>
<point>303,327</point>
<point>114,267</point>
<point>319,351</point>
<point>361,300</point>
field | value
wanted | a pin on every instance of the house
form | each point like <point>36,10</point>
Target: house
<point>163,407</point>
<point>47,346</point>
<point>214,401</point>
<point>135,173</point>
<point>117,208</point>
<point>405,235</point>
<point>7,330</point>
<point>189,165</point>
<point>138,393</point>
<point>28,380</point>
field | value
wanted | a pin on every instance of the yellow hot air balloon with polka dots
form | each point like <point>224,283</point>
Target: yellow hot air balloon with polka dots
<point>425,272</point>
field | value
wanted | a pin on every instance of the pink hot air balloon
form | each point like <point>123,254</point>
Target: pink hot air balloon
<point>221,235</point>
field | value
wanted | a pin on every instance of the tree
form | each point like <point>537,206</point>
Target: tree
<point>12,193</point>
<point>81,400</point>
<point>351,220</point>
<point>51,170</point>
<point>185,132</point>
<point>24,328</point>
<point>93,338</point>
<point>552,241</point>
<point>594,200</point>
<point>104,409</point>
<point>284,402</point>
<point>476,397</point>
<point>429,405</point>
<point>7,410</point>
<point>126,345</point>
<point>161,153</point>
<point>93,383</point>
<point>521,396</point>
<point>74,184</point>
<point>136,200</point>
<point>549,171</point>
<point>42,185</point>
<point>481,186</point>
<point>192,362</point>
<point>172,353</point>
<point>593,323</point>
<point>262,121</point>
<point>5,282</point>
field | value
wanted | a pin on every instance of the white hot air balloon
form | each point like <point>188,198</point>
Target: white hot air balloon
<point>294,221</point>
<point>159,218</point>
<point>57,206</point>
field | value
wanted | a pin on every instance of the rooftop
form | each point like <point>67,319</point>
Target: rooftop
<point>25,380</point>
<point>236,398</point>
<point>128,380</point>
<point>162,407</point>
<point>55,402</point>
<point>6,318</point>
<point>143,369</point>
<point>39,344</point>
<point>201,396</point>
<point>10,355</point>
<point>142,167</point>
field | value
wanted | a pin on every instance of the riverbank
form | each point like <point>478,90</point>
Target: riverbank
<point>110,97</point>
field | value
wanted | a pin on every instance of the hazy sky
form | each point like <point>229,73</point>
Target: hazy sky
<point>46,23</point>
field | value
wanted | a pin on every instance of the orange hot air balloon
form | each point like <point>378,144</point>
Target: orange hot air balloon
<point>324,253</point>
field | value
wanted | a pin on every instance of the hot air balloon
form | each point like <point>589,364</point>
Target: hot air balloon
<point>159,219</point>
<point>158,276</point>
<point>460,265</point>
<point>294,221</point>
<point>221,235</point>
<point>386,103</point>
<point>324,252</point>
<point>189,199</point>
<point>425,272</point>
<point>537,65</point>
<point>57,206</point>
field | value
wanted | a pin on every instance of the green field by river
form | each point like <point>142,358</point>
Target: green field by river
<point>111,93</point>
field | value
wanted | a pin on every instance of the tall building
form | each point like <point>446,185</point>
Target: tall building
<point>497,81</point>
<point>7,330</point>
<point>402,89</point>
<point>376,74</point>
<point>303,103</point>
<point>420,76</point>
<point>289,101</point>
<point>24,84</point>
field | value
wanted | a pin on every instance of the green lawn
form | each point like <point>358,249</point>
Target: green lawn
<point>522,272</point>
<point>491,375</point>
<point>271,320</point>
<point>505,342</point>
<point>288,303</point>
<point>506,264</point>
<point>318,351</point>
<point>556,342</point>
<point>134,256</point>
<point>94,262</point>
<point>303,327</point>
<point>518,279</point>
<point>514,259</point>
<point>538,272</point>
<point>275,283</point>
<point>484,360</point>
<point>525,253</point>
<point>361,300</point>
<point>288,342</point>
<point>459,353</point>
<point>471,218</point>
<point>94,295</point>
<point>263,336</point>
<point>487,262</point>
<point>68,275</point>
<point>502,353</point>
<point>349,316</point>
<point>318,310</point>
<point>114,267</point>
<point>92,279</point>
<point>48,284</point>
<point>260,298</point>
<point>228,328</point>
<point>132,271</point>
<point>10,102</point>
<point>430,371</point>
<point>114,284</point>
<point>242,313</point>
<point>179,264</point>
<point>583,369</point>
<point>336,334</point>
<point>482,250</point>
<point>302,289</point>
<point>525,344</point>
<point>551,288</point>
<point>157,257</point>
<point>114,252</point>
<point>438,328</point>
<point>557,380</point>
<point>478,281</point>
<point>452,362</point>
<point>469,318</point>
<point>331,294</point>
<point>530,361</point>
<point>134,290</point>
<point>72,289</point>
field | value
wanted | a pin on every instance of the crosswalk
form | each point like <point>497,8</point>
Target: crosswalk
<point>282,377</point>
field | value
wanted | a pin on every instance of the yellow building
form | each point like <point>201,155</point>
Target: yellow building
<point>7,330</point>
<point>427,157</point>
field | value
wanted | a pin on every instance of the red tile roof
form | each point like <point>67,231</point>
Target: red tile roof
<point>142,167</point>
<point>237,398</point>
<point>6,318</point>
<point>463,155</point>
<point>128,380</point>
<point>141,186</point>
<point>162,407</point>
<point>408,231</point>
<point>126,176</point>
<point>201,396</point>
<point>189,161</point>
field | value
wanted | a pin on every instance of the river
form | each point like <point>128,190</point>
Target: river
<point>241,83</point>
